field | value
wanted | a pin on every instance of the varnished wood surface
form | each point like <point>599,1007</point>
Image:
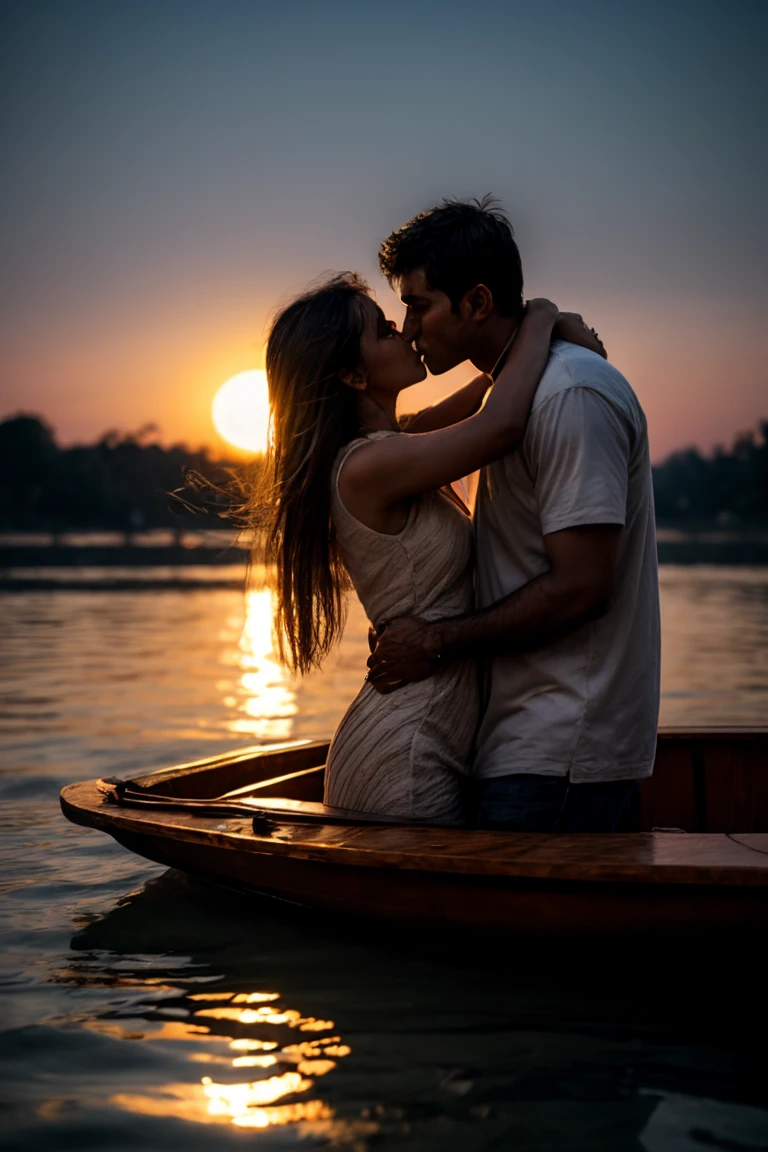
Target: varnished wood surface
<point>715,733</point>
<point>628,859</point>
<point>462,902</point>
<point>204,779</point>
<point>705,779</point>
<point>708,780</point>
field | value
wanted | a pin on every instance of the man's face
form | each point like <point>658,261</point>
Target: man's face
<point>440,336</point>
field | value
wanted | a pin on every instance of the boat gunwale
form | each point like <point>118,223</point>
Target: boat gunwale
<point>254,752</point>
<point>716,733</point>
<point>667,858</point>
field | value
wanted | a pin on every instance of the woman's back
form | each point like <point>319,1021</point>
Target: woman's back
<point>404,754</point>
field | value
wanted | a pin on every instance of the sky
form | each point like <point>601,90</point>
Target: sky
<point>175,170</point>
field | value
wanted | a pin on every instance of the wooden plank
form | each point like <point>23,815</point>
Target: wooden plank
<point>466,902</point>
<point>680,794</point>
<point>667,798</point>
<point>736,782</point>
<point>280,809</point>
<point>715,734</point>
<point>306,785</point>
<point>206,779</point>
<point>626,858</point>
<point>708,780</point>
<point>670,798</point>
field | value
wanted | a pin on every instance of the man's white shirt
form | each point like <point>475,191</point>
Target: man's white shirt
<point>588,704</point>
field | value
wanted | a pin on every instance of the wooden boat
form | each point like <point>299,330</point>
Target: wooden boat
<point>697,858</point>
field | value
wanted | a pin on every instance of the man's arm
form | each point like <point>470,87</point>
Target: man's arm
<point>464,402</point>
<point>577,588</point>
<point>578,448</point>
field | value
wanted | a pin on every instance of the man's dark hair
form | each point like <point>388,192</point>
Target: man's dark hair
<point>459,244</point>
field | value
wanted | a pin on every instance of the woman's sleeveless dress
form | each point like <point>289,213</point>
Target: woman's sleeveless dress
<point>403,755</point>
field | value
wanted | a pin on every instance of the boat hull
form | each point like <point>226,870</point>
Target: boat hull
<point>636,883</point>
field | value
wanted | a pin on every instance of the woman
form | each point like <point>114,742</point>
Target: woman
<point>356,497</point>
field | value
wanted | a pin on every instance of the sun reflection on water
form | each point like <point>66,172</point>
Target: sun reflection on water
<point>279,1070</point>
<point>266,700</point>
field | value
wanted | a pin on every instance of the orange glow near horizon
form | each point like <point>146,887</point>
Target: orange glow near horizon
<point>696,367</point>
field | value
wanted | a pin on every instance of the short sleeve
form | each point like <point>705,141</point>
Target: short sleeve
<point>578,448</point>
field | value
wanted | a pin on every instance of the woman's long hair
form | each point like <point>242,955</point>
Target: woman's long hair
<point>313,415</point>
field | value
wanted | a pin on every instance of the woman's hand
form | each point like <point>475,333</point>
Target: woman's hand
<point>571,327</point>
<point>538,321</point>
<point>543,310</point>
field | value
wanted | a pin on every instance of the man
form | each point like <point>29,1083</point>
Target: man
<point>567,584</point>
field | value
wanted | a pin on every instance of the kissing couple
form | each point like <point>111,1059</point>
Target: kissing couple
<point>515,678</point>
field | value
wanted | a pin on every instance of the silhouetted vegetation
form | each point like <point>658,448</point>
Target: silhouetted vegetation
<point>124,482</point>
<point>729,488</point>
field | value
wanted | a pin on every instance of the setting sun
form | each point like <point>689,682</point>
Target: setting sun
<point>241,410</point>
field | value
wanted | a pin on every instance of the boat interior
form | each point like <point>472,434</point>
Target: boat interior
<point>705,780</point>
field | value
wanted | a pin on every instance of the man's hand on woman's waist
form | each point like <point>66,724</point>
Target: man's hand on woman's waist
<point>407,649</point>
<point>576,590</point>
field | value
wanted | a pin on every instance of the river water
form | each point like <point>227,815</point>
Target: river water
<point>143,1009</point>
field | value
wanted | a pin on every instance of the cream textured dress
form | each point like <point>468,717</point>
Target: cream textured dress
<point>404,755</point>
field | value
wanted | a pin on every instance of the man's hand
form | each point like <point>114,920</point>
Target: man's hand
<point>407,650</point>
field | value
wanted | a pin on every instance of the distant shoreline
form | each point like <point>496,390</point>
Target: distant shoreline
<point>104,561</point>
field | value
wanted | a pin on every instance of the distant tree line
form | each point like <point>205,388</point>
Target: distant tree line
<point>726,488</point>
<point>125,482</point>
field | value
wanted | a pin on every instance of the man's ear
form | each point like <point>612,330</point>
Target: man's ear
<point>477,304</point>
<point>356,378</point>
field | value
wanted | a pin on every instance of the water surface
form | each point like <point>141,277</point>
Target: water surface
<point>140,1008</point>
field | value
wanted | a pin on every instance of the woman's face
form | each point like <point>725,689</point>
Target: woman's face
<point>390,362</point>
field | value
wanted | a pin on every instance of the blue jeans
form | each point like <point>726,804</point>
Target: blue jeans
<point>532,803</point>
